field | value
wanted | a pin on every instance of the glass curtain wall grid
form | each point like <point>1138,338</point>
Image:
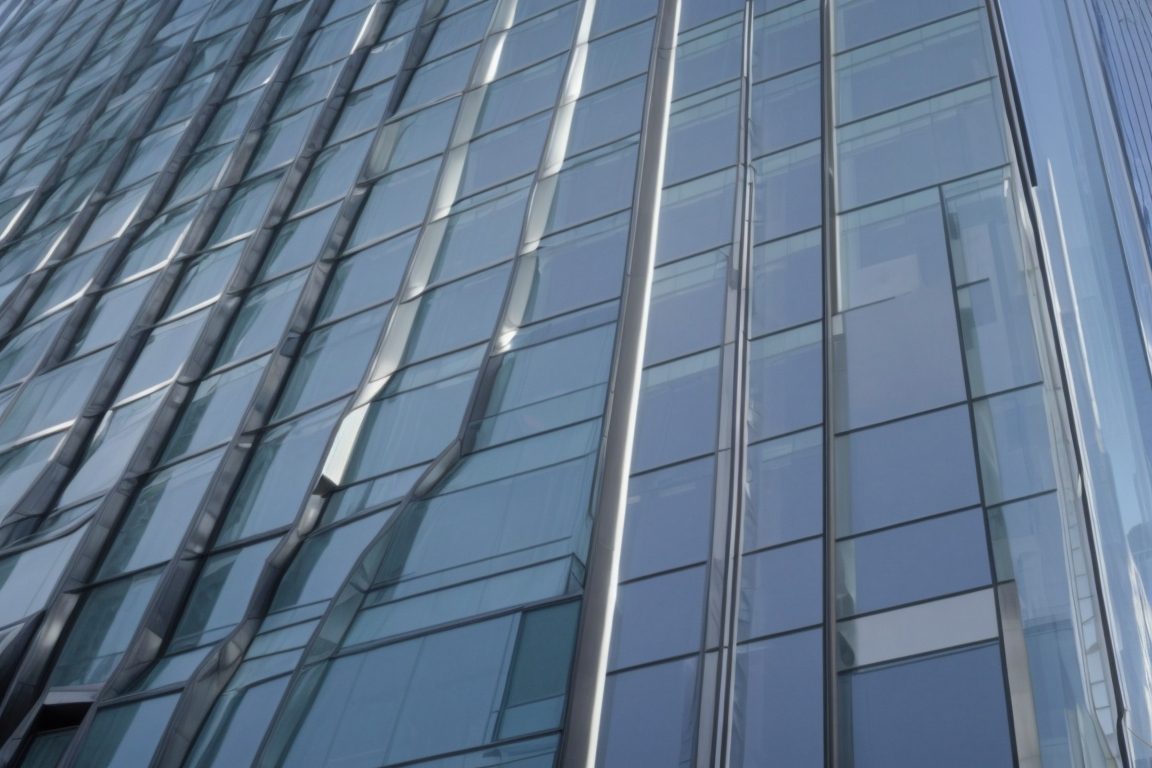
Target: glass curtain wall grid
<point>476,383</point>
<point>1087,173</point>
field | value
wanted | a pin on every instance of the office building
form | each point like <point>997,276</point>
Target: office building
<point>619,383</point>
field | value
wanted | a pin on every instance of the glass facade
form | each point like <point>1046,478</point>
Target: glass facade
<point>600,383</point>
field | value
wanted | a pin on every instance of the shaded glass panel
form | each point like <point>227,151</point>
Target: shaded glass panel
<point>779,703</point>
<point>103,630</point>
<point>658,617</point>
<point>785,490</point>
<point>782,589</point>
<point>913,562</point>
<point>946,710</point>
<point>126,736</point>
<point>786,382</point>
<point>279,475</point>
<point>159,516</point>
<point>650,716</point>
<point>678,411</point>
<point>669,519</point>
<point>905,470</point>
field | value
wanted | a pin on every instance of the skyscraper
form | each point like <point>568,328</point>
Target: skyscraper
<point>621,383</point>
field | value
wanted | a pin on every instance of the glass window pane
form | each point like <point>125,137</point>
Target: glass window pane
<point>669,519</point>
<point>593,185</point>
<point>606,116</point>
<point>111,316</point>
<point>236,726</point>
<point>413,137</point>
<point>658,617</point>
<point>213,413</point>
<point>525,93</point>
<point>53,398</point>
<point>650,715</point>
<point>779,703</point>
<point>905,470</point>
<point>786,382</point>
<point>786,40</point>
<point>28,578</point>
<point>786,111</point>
<point>299,242</point>
<point>220,597</point>
<point>696,216</point>
<point>859,21</point>
<point>112,447</point>
<point>679,409</point>
<point>281,141</point>
<point>687,306</point>
<point>618,56</point>
<point>159,516</point>
<point>439,78</point>
<point>410,428</point>
<point>478,233</point>
<point>787,283</point>
<point>1015,447</point>
<point>912,66</point>
<point>706,58</point>
<point>126,736</point>
<point>945,137</point>
<point>782,589</point>
<point>395,203</point>
<point>913,562</point>
<point>20,467</point>
<point>702,134</point>
<point>163,354</point>
<point>578,267</point>
<point>788,192</point>
<point>261,321</point>
<point>371,276</point>
<point>332,362</point>
<point>19,356</point>
<point>785,490</point>
<point>898,345</point>
<point>324,562</point>
<point>103,629</point>
<point>437,692</point>
<point>545,35</point>
<point>503,154</point>
<point>332,175</point>
<point>279,475</point>
<point>245,211</point>
<point>459,314</point>
<point>945,710</point>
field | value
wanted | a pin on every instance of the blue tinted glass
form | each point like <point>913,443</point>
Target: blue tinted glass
<point>658,617</point>
<point>669,519</point>
<point>787,283</point>
<point>678,411</point>
<point>914,562</point>
<point>785,490</point>
<point>786,382</point>
<point>779,703</point>
<point>782,589</point>
<point>946,710</point>
<point>906,470</point>
<point>650,716</point>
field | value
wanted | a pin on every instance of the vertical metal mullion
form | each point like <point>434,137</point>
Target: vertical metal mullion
<point>829,242</point>
<point>580,738</point>
<point>737,323</point>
